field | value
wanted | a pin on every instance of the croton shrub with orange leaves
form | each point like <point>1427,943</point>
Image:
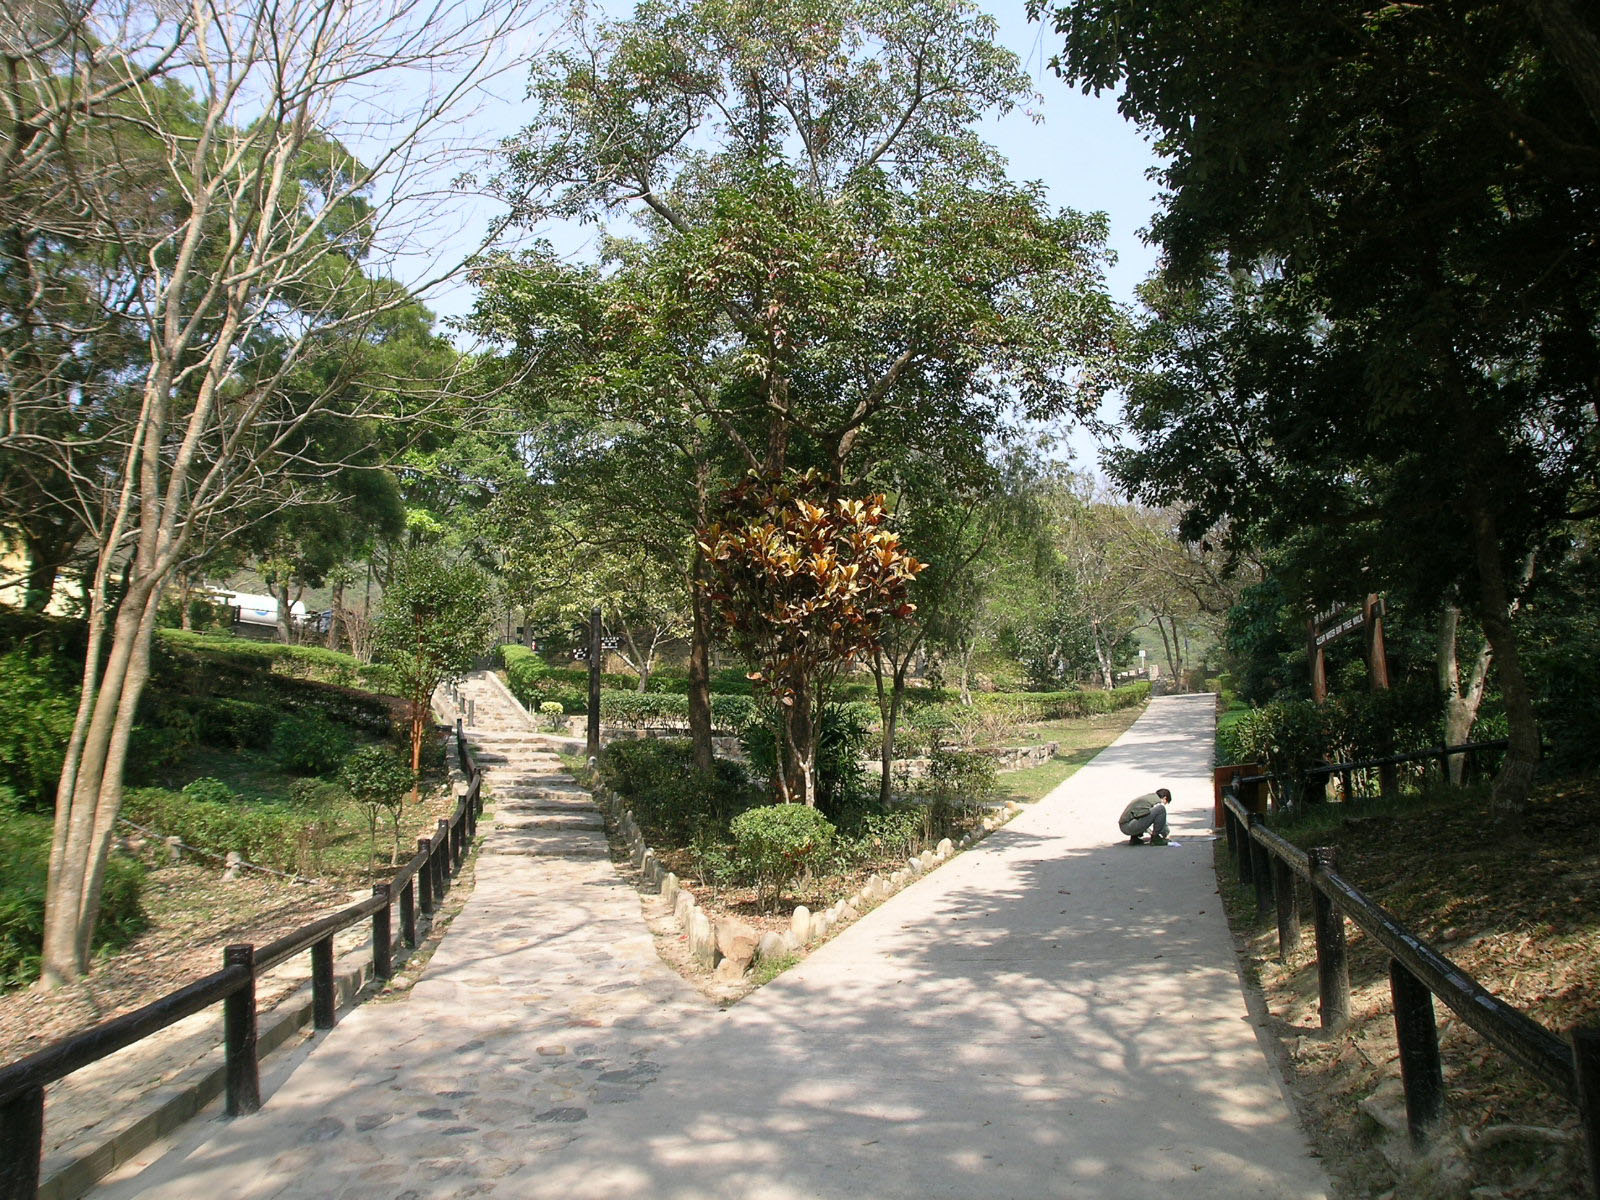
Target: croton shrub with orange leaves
<point>804,580</point>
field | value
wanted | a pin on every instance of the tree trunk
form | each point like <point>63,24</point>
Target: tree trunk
<point>336,636</point>
<point>1461,698</point>
<point>700,668</point>
<point>90,791</point>
<point>886,720</point>
<point>1512,785</point>
<point>967,651</point>
<point>800,734</point>
<point>280,593</point>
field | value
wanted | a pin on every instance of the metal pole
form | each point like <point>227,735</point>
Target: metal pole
<point>592,746</point>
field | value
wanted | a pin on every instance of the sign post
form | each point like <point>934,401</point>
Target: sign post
<point>593,746</point>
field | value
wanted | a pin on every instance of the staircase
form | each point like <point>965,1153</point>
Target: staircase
<point>540,811</point>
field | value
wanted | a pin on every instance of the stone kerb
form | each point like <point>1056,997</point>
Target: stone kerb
<point>730,947</point>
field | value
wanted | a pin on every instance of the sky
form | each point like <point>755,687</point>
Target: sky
<point>1082,151</point>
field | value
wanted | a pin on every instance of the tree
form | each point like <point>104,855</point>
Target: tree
<point>1395,207</point>
<point>378,779</point>
<point>436,621</point>
<point>829,262</point>
<point>236,238</point>
<point>804,581</point>
<point>954,504</point>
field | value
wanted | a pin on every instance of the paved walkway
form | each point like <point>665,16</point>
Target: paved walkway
<point>1050,1014</point>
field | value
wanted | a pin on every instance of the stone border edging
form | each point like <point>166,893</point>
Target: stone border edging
<point>730,947</point>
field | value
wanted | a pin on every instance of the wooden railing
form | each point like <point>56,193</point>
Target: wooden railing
<point>1279,871</point>
<point>421,883</point>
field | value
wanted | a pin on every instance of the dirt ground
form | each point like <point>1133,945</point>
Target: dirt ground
<point>1520,912</point>
<point>192,914</point>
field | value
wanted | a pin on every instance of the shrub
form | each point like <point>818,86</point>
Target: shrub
<point>379,779</point>
<point>24,865</point>
<point>260,833</point>
<point>37,708</point>
<point>775,843</point>
<point>160,747</point>
<point>668,796</point>
<point>554,714</point>
<point>209,791</point>
<point>309,744</point>
<point>234,724</point>
<point>298,662</point>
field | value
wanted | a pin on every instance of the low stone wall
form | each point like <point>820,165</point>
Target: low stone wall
<point>730,946</point>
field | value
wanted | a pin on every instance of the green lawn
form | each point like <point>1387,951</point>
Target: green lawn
<point>1078,741</point>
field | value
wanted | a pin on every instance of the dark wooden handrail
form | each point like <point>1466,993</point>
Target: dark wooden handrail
<point>1418,972</point>
<point>22,1083</point>
<point>62,1058</point>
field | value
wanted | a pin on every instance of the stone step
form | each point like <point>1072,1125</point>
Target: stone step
<point>576,822</point>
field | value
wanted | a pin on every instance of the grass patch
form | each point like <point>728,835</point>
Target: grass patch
<point>1078,741</point>
<point>768,969</point>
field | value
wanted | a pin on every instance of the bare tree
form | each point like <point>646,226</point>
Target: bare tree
<point>256,271</point>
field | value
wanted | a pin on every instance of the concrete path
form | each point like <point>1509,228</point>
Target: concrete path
<point>1051,1014</point>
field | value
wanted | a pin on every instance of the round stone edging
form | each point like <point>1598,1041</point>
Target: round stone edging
<point>710,942</point>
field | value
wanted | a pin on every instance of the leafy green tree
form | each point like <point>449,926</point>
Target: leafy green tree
<point>237,250</point>
<point>1377,332</point>
<point>436,621</point>
<point>377,778</point>
<point>830,262</point>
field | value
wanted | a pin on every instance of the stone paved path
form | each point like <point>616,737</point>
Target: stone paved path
<point>1051,1014</point>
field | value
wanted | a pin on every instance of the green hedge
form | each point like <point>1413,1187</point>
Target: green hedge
<point>298,662</point>
<point>1058,706</point>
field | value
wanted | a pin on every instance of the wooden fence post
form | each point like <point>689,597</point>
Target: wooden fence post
<point>382,935</point>
<point>1417,1033</point>
<point>322,993</point>
<point>1260,867</point>
<point>239,1035</point>
<point>21,1144</point>
<point>441,866</point>
<point>425,875</point>
<point>1284,886</point>
<point>1585,1045</point>
<point>1333,963</point>
<point>408,913</point>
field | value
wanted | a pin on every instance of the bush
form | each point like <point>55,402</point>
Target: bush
<point>669,798</point>
<point>554,713</point>
<point>160,747</point>
<point>379,779</point>
<point>775,843</point>
<point>260,833</point>
<point>24,865</point>
<point>234,724</point>
<point>309,744</point>
<point>38,703</point>
<point>209,791</point>
<point>298,662</point>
